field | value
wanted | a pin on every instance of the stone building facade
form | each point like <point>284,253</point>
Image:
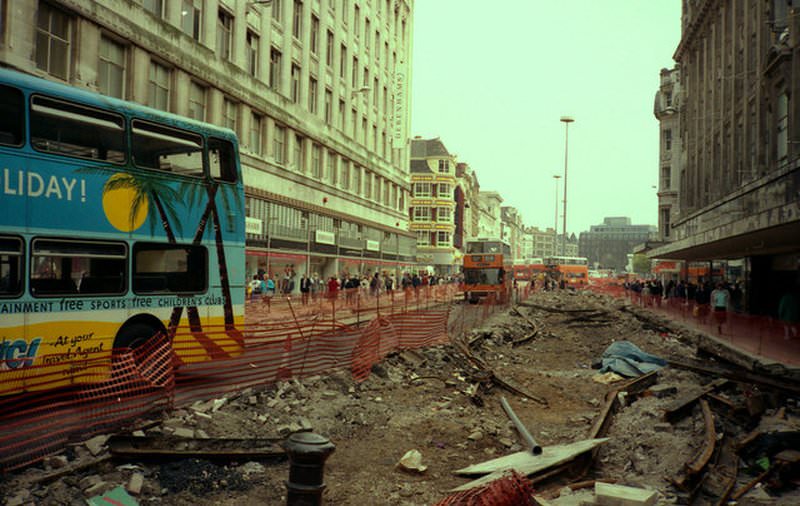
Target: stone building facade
<point>317,91</point>
<point>607,246</point>
<point>739,193</point>
<point>666,110</point>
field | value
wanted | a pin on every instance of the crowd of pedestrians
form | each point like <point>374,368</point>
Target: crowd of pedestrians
<point>352,285</point>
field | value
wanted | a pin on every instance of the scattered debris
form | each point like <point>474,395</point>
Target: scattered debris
<point>412,461</point>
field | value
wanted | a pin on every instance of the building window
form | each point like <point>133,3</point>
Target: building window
<point>354,122</point>
<point>111,68</point>
<point>345,174</point>
<point>357,179</point>
<point>256,132</point>
<point>274,68</point>
<point>191,14</point>
<point>330,167</point>
<point>422,190</point>
<point>158,87</point>
<point>423,238</point>
<point>53,34</point>
<point>197,101</point>
<point>342,114</point>
<point>329,49</point>
<point>312,94</point>
<point>375,90</point>
<point>443,190</point>
<point>342,61</point>
<point>328,106</point>
<point>368,185</point>
<point>279,144</point>
<point>277,10</point>
<point>667,140</point>
<point>229,114</point>
<point>297,19</point>
<point>367,32</point>
<point>443,238</point>
<point>224,34</point>
<point>377,45</point>
<point>356,21</point>
<point>364,130</point>
<point>665,222</point>
<point>444,215</point>
<point>155,7</point>
<point>316,161</point>
<point>314,34</point>
<point>355,72</point>
<point>298,153</point>
<point>666,178</point>
<point>253,42</point>
<point>365,82</point>
<point>295,95</point>
<point>444,166</point>
<point>781,128</point>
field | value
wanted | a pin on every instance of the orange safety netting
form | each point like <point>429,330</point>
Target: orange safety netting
<point>513,489</point>
<point>281,339</point>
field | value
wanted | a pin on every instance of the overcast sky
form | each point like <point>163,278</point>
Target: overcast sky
<point>493,78</point>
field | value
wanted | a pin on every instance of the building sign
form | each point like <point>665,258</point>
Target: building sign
<point>253,225</point>
<point>398,110</point>
<point>373,245</point>
<point>323,237</point>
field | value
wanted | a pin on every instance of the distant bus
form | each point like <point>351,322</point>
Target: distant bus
<point>117,222</point>
<point>487,270</point>
<point>574,271</point>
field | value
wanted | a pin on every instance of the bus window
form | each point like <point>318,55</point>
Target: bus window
<point>160,268</point>
<point>12,116</point>
<point>168,149</point>
<point>10,266</point>
<point>65,267</point>
<point>489,276</point>
<point>74,130</point>
<point>222,160</point>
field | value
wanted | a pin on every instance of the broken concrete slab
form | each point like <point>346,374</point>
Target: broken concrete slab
<point>135,484</point>
<point>608,494</point>
<point>96,444</point>
<point>525,462</point>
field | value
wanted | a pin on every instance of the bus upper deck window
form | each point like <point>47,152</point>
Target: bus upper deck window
<point>221,159</point>
<point>10,266</point>
<point>71,267</point>
<point>12,116</point>
<point>163,148</point>
<point>76,130</point>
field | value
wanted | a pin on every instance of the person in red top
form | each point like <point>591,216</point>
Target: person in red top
<point>333,288</point>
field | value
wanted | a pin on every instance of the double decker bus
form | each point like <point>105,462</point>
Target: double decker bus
<point>117,222</point>
<point>487,270</point>
<point>574,271</point>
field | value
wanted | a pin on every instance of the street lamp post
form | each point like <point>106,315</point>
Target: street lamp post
<point>555,220</point>
<point>566,120</point>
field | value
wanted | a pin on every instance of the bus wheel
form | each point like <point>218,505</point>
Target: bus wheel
<point>134,335</point>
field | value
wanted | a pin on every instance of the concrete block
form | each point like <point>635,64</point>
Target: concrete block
<point>607,494</point>
<point>96,444</point>
<point>135,484</point>
<point>184,432</point>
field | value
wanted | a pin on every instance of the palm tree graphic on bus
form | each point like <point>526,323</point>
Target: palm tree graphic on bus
<point>130,199</point>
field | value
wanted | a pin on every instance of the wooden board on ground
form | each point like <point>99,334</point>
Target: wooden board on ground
<point>525,462</point>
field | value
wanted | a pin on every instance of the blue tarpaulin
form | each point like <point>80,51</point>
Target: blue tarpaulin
<point>625,358</point>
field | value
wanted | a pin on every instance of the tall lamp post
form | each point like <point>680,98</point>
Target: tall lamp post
<point>555,220</point>
<point>566,120</point>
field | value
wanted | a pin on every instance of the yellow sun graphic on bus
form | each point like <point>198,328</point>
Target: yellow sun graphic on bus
<point>119,195</point>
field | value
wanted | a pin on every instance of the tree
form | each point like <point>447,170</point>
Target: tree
<point>641,264</point>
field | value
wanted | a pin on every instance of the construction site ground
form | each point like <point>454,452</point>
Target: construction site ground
<point>434,401</point>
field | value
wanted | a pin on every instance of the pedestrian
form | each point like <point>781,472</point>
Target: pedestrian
<point>305,288</point>
<point>720,298</point>
<point>789,311</point>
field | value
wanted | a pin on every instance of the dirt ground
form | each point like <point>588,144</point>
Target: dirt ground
<point>421,401</point>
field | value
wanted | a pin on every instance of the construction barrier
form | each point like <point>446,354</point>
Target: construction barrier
<point>756,334</point>
<point>281,339</point>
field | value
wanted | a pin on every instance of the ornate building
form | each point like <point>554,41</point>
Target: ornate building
<point>316,91</point>
<point>739,193</point>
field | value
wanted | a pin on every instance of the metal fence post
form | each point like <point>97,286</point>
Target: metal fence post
<point>307,454</point>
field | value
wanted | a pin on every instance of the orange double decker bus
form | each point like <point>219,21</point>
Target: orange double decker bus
<point>487,270</point>
<point>574,271</point>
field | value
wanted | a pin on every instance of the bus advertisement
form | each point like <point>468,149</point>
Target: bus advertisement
<point>487,265</point>
<point>573,271</point>
<point>117,222</point>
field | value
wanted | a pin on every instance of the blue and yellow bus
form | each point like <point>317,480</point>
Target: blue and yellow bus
<point>117,222</point>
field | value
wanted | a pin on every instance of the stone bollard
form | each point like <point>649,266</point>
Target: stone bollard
<point>307,454</point>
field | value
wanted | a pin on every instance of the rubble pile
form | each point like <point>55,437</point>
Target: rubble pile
<point>423,414</point>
